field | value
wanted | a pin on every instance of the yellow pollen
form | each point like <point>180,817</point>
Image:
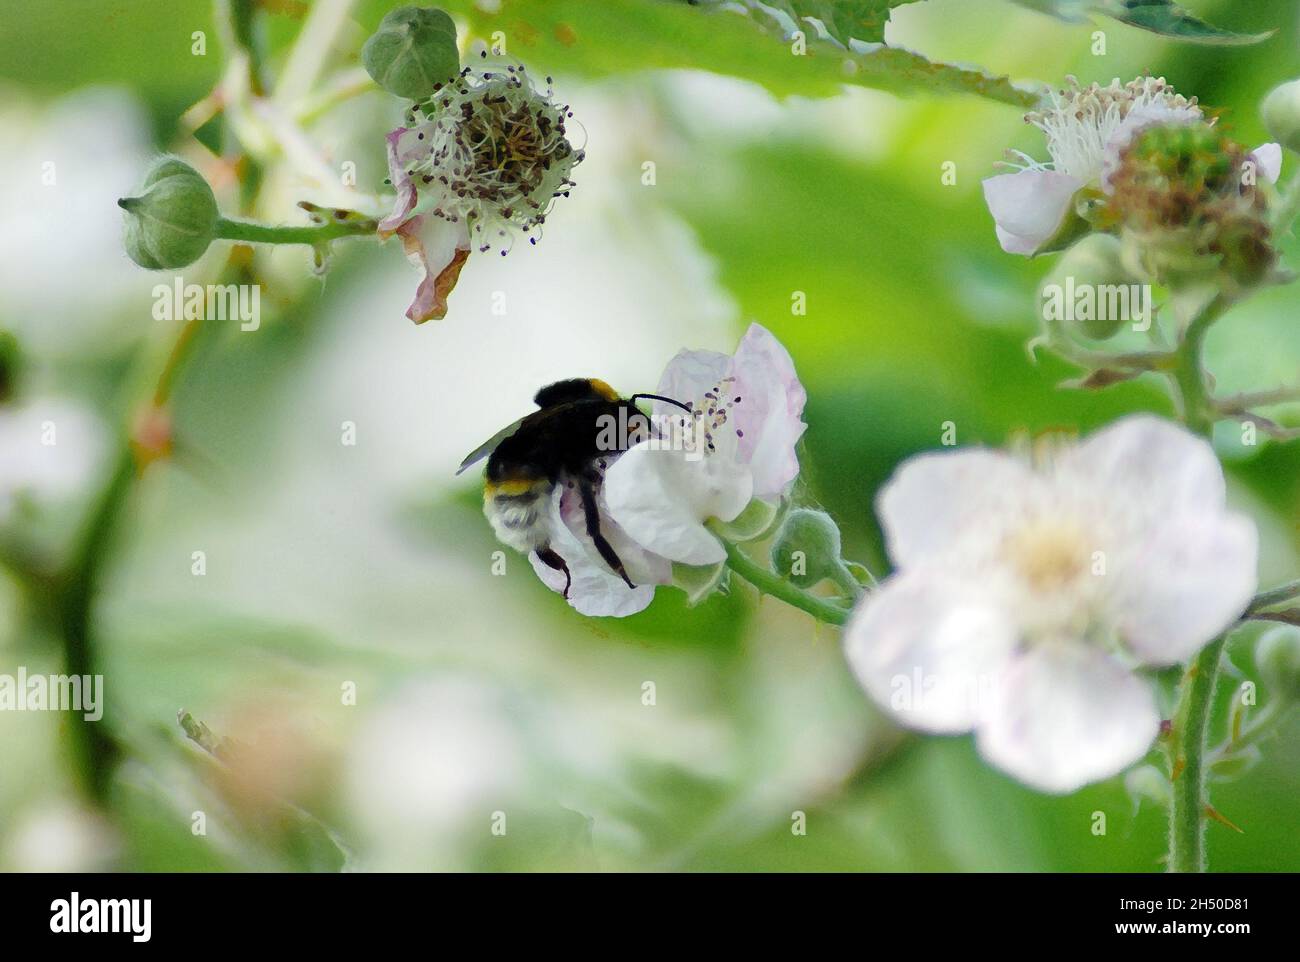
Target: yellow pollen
<point>1049,554</point>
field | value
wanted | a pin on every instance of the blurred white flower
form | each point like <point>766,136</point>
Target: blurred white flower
<point>50,449</point>
<point>61,837</point>
<point>63,271</point>
<point>428,770</point>
<point>1024,600</point>
<point>739,444</point>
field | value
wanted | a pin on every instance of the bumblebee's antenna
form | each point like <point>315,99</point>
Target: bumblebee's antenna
<point>659,397</point>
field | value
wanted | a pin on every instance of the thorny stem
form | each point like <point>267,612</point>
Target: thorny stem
<point>772,584</point>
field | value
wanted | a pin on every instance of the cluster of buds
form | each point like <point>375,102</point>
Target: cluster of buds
<point>1187,199</point>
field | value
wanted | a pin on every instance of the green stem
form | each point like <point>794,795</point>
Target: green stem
<point>1190,800</point>
<point>1192,717</point>
<point>772,584</point>
<point>1189,371</point>
<point>313,234</point>
<point>1275,596</point>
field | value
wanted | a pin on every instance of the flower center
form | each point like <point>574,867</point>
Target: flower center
<point>1050,555</point>
<point>1081,121</point>
<point>712,412</point>
<point>497,153</point>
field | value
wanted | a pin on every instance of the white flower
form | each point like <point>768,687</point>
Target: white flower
<point>1024,599</point>
<point>482,160</point>
<point>49,451</point>
<point>1086,128</point>
<point>594,588</point>
<point>738,445</point>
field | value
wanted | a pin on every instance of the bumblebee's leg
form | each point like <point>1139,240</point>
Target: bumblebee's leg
<point>592,514</point>
<point>553,560</point>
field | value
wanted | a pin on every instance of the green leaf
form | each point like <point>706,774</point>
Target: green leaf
<point>616,37</point>
<point>845,20</point>
<point>1159,16</point>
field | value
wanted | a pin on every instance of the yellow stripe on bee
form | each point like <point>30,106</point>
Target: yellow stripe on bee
<point>603,389</point>
<point>509,487</point>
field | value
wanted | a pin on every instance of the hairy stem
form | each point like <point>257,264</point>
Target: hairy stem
<point>1196,698</point>
<point>772,584</point>
<point>313,234</point>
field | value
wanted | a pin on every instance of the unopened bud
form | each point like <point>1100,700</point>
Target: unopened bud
<point>173,217</point>
<point>1086,273</point>
<point>1277,655</point>
<point>807,548</point>
<point>1281,113</point>
<point>413,51</point>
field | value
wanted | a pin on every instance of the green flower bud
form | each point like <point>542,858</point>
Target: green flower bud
<point>173,217</point>
<point>1281,113</point>
<point>10,363</point>
<point>807,549</point>
<point>413,52</point>
<point>1277,655</point>
<point>1076,290</point>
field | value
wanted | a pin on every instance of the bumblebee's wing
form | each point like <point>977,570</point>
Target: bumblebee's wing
<point>490,445</point>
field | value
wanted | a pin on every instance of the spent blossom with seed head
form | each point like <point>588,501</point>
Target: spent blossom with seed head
<point>738,445</point>
<point>1085,126</point>
<point>478,163</point>
<point>1026,598</point>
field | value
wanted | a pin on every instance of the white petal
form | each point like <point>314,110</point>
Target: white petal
<point>662,498</point>
<point>688,375</point>
<point>1188,580</point>
<point>769,414</point>
<point>1268,159</point>
<point>932,498</point>
<point>1029,207</point>
<point>594,589</point>
<point>929,648</point>
<point>1065,715</point>
<point>1148,467</point>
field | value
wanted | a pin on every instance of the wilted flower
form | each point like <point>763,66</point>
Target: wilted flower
<point>1025,599</point>
<point>1036,208</point>
<point>479,162</point>
<point>738,445</point>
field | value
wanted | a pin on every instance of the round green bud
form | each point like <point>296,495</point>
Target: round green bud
<point>1277,655</point>
<point>807,548</point>
<point>1281,113</point>
<point>172,218</point>
<point>413,51</point>
<point>1076,291</point>
<point>10,365</point>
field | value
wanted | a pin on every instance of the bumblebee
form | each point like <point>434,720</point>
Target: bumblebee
<point>564,441</point>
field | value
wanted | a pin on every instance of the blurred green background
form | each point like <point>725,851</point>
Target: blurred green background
<point>329,564</point>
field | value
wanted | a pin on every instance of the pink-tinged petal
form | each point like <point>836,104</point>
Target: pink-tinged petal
<point>441,248</point>
<point>688,375</point>
<point>929,649</point>
<point>594,589</point>
<point>398,142</point>
<point>1268,160</point>
<point>1065,715</point>
<point>1188,581</point>
<point>1029,207</point>
<point>1151,468</point>
<point>769,413</point>
<point>933,498</point>
<point>662,498</point>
